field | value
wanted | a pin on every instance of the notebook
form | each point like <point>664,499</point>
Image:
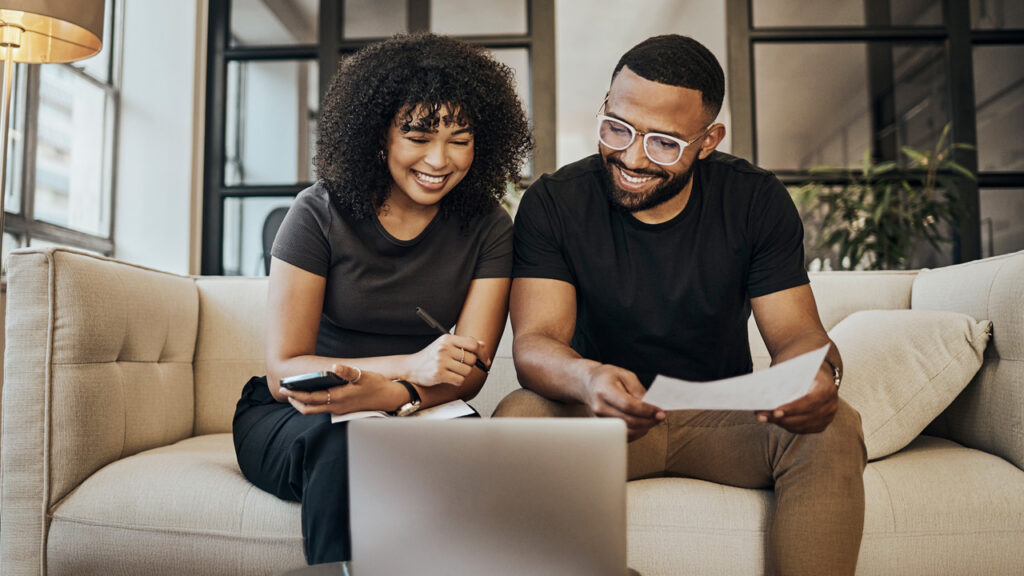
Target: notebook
<point>502,496</point>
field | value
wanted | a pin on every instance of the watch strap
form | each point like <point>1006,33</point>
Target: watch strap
<point>414,399</point>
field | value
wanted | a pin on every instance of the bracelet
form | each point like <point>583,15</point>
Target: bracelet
<point>837,374</point>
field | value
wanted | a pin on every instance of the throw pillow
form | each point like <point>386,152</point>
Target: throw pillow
<point>902,368</point>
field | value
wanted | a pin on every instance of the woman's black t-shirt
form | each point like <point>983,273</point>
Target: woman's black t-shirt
<point>375,281</point>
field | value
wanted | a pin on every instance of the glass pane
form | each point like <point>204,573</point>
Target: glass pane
<point>999,105</point>
<point>812,105</point>
<point>815,107</point>
<point>270,122</point>
<point>921,95</point>
<point>16,140</point>
<point>11,242</point>
<point>518,59</point>
<point>244,223</point>
<point>1002,221</point>
<point>374,18</point>
<point>72,185</point>
<point>997,14</point>
<point>98,66</point>
<point>39,243</point>
<point>474,18</point>
<point>845,13</point>
<point>274,22</point>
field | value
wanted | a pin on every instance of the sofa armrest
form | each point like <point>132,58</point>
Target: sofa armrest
<point>98,366</point>
<point>989,413</point>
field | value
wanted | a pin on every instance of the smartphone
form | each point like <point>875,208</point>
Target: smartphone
<point>313,381</point>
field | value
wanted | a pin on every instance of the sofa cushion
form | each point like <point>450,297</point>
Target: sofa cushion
<point>183,508</point>
<point>902,368</point>
<point>934,508</point>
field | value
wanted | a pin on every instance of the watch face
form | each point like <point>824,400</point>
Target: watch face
<point>408,408</point>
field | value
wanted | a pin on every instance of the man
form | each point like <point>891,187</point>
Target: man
<point>647,259</point>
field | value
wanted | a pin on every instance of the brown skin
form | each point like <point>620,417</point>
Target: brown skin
<point>441,372</point>
<point>543,311</point>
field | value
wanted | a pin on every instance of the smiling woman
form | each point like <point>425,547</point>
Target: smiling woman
<point>418,136</point>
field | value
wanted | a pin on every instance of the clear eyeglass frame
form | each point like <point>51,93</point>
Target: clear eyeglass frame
<point>602,118</point>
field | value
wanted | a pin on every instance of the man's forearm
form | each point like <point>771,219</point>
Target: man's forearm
<point>551,369</point>
<point>805,343</point>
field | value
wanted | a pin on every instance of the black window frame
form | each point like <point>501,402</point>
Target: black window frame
<point>539,40</point>
<point>958,39</point>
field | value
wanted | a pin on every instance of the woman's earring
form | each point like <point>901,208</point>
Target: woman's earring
<point>382,156</point>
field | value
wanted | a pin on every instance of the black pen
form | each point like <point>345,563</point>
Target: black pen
<point>440,329</point>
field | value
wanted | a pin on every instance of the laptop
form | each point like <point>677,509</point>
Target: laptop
<point>502,496</point>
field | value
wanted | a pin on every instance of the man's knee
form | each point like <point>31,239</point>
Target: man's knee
<point>843,440</point>
<point>524,403</point>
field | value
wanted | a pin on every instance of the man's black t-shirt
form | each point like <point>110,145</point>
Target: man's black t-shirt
<point>670,298</point>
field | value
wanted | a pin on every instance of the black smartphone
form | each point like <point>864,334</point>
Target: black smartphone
<point>313,381</point>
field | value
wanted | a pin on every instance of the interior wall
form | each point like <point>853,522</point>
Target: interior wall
<point>154,165</point>
<point>591,35</point>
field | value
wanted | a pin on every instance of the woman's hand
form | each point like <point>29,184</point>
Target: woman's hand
<point>448,360</point>
<point>365,391</point>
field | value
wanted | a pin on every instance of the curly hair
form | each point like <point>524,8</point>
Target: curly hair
<point>678,61</point>
<point>419,73</point>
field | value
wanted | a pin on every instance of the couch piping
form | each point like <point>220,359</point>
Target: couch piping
<point>165,530</point>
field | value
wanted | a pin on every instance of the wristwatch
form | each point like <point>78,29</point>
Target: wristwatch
<point>414,400</point>
<point>837,374</point>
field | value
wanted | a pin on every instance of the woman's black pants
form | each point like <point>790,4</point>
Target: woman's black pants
<point>300,458</point>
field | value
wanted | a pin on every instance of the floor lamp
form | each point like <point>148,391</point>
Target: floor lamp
<point>38,32</point>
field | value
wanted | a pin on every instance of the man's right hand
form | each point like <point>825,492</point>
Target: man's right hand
<point>614,392</point>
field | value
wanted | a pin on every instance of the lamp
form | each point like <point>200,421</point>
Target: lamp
<point>38,32</point>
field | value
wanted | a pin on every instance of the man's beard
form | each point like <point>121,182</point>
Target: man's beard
<point>638,202</point>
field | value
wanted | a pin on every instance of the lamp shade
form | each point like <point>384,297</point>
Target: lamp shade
<point>54,30</point>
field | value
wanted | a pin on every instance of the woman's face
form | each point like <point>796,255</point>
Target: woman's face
<point>426,162</point>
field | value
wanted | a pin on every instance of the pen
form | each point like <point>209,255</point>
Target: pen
<point>440,330</point>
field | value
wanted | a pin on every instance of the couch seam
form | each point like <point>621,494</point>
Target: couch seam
<point>51,296</point>
<point>163,530</point>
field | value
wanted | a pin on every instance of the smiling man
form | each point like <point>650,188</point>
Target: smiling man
<point>648,258</point>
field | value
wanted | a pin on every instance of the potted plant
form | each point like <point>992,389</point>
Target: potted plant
<point>874,218</point>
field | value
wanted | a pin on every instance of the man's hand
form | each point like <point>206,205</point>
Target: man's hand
<point>614,392</point>
<point>811,413</point>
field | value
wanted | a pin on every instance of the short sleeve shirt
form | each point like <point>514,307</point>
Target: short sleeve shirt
<point>671,298</point>
<point>375,281</point>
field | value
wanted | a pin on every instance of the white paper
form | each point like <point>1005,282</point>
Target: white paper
<point>448,410</point>
<point>763,390</point>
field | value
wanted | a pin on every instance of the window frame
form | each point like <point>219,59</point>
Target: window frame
<point>539,40</point>
<point>23,224</point>
<point>958,39</point>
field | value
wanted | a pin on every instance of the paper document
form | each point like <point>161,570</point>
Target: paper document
<point>446,411</point>
<point>763,390</point>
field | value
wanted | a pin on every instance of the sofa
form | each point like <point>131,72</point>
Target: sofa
<point>120,384</point>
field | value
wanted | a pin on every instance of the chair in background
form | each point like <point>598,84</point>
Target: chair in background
<point>270,226</point>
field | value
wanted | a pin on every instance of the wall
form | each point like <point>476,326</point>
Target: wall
<point>153,209</point>
<point>590,36</point>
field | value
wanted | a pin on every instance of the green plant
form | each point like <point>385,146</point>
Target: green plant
<point>874,218</point>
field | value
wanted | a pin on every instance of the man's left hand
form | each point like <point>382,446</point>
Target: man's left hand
<point>811,413</point>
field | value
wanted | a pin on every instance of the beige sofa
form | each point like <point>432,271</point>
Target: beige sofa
<point>121,382</point>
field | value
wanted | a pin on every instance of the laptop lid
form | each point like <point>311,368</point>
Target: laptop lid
<point>488,496</point>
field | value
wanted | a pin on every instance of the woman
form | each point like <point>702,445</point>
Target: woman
<point>418,136</point>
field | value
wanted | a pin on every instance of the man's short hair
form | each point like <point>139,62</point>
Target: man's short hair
<point>678,61</point>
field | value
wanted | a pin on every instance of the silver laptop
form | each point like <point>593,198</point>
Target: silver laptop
<point>503,496</point>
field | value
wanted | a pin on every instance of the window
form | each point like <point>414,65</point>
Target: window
<point>61,147</point>
<point>818,85</point>
<point>270,62</point>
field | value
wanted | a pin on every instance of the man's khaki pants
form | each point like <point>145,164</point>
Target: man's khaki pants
<point>818,478</point>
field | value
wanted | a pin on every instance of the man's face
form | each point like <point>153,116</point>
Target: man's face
<point>635,182</point>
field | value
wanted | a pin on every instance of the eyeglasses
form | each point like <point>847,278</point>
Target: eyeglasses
<point>660,148</point>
